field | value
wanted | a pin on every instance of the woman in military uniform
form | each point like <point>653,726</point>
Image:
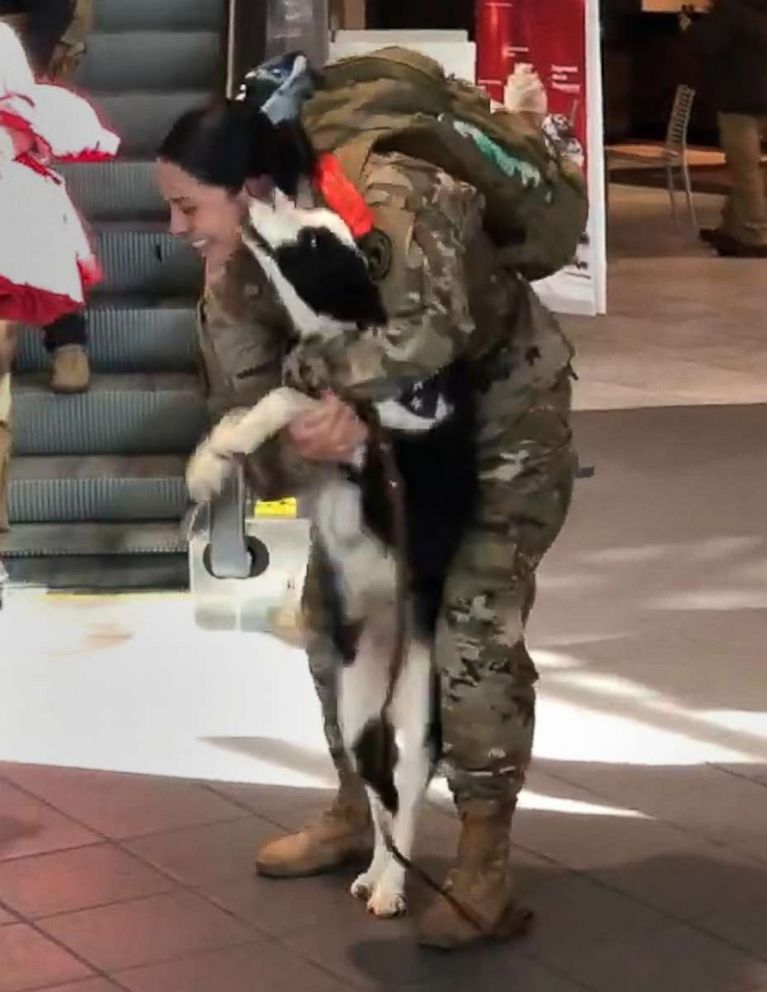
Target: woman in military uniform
<point>447,295</point>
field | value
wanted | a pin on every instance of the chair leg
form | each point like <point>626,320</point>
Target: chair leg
<point>690,198</point>
<point>672,194</point>
<point>607,200</point>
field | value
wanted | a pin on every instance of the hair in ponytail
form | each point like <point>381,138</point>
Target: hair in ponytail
<point>228,143</point>
<point>294,157</point>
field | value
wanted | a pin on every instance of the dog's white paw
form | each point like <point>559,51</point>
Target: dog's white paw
<point>227,435</point>
<point>205,474</point>
<point>363,885</point>
<point>386,902</point>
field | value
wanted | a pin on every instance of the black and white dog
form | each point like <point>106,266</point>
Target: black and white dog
<point>321,277</point>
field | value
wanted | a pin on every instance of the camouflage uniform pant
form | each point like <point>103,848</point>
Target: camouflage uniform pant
<point>71,47</point>
<point>487,675</point>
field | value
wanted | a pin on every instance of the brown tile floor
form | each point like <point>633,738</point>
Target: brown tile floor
<point>167,902</point>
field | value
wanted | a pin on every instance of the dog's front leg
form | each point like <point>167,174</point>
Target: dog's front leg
<point>240,433</point>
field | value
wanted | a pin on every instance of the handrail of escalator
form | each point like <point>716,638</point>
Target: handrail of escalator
<point>231,22</point>
<point>228,555</point>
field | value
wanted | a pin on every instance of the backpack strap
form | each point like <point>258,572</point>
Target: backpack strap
<point>353,155</point>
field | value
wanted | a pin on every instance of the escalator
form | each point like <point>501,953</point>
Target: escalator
<point>97,493</point>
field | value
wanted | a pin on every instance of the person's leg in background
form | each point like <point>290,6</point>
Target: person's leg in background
<point>7,350</point>
<point>65,340</point>
<point>487,675</point>
<point>54,34</point>
<point>72,45</point>
<point>343,832</point>
<point>744,222</point>
<point>47,22</point>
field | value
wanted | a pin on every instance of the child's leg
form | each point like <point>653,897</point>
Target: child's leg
<point>66,340</point>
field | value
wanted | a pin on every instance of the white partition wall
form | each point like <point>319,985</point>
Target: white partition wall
<point>452,49</point>
<point>572,75</point>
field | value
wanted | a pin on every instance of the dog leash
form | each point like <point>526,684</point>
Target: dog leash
<point>395,493</point>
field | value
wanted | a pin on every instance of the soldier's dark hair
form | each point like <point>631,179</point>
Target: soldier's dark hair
<point>228,143</point>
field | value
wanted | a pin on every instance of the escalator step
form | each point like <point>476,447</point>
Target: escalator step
<point>126,415</point>
<point>151,60</point>
<point>98,488</point>
<point>126,337</point>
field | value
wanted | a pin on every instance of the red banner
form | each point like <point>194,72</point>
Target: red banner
<point>494,39</point>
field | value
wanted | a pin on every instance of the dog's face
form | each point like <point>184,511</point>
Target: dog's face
<point>314,252</point>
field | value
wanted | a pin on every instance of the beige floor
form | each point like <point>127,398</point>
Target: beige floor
<point>641,841</point>
<point>684,326</point>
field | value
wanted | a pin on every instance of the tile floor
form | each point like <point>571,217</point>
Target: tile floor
<point>139,772</point>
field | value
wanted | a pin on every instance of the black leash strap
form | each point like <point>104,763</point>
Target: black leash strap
<point>395,494</point>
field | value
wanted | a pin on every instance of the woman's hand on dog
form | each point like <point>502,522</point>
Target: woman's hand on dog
<point>331,433</point>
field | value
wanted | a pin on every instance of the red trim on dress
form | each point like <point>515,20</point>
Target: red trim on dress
<point>14,121</point>
<point>88,155</point>
<point>31,305</point>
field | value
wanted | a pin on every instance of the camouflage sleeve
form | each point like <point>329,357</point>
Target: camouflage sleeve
<point>243,335</point>
<point>427,221</point>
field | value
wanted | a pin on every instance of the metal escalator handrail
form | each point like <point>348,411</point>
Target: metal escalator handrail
<point>231,51</point>
<point>246,29</point>
<point>229,556</point>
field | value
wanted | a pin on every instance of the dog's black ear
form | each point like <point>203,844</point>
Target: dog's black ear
<point>294,156</point>
<point>332,278</point>
<point>281,151</point>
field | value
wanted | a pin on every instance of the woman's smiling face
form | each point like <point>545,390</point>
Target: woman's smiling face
<point>208,217</point>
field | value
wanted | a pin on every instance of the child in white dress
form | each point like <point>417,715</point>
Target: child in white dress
<point>46,262</point>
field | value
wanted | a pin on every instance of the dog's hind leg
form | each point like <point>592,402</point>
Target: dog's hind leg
<point>411,716</point>
<point>366,884</point>
<point>392,756</point>
<point>369,742</point>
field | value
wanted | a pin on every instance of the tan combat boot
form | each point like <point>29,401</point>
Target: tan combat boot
<point>480,881</point>
<point>341,834</point>
<point>5,446</point>
<point>71,370</point>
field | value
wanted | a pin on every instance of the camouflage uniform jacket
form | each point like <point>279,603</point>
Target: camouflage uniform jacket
<point>446,295</point>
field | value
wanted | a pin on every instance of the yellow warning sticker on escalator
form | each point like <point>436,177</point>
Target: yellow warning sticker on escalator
<point>277,508</point>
